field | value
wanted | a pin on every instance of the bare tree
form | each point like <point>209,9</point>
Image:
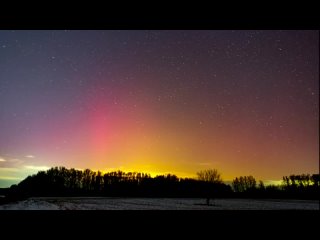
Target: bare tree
<point>211,176</point>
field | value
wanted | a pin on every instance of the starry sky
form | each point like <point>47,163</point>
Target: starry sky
<point>245,102</point>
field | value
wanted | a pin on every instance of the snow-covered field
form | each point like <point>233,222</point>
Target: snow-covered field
<point>96,203</point>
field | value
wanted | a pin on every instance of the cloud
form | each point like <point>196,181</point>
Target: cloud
<point>29,156</point>
<point>10,162</point>
<point>11,173</point>
<point>204,164</point>
<point>38,168</point>
<point>8,169</point>
<point>10,178</point>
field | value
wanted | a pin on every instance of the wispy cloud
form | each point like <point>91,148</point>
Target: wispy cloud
<point>204,164</point>
<point>13,171</point>
<point>29,156</point>
<point>38,168</point>
<point>9,169</point>
<point>11,163</point>
<point>10,178</point>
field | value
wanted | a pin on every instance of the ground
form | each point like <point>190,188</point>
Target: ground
<point>100,203</point>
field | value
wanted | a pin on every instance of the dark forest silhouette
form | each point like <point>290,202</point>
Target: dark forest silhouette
<point>60,181</point>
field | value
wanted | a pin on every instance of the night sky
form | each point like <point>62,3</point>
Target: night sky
<point>243,102</point>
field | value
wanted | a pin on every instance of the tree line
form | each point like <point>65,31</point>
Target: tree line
<point>304,186</point>
<point>60,181</point>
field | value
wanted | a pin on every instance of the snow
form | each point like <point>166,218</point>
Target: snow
<point>103,203</point>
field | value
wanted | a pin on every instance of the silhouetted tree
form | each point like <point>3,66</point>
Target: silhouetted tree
<point>98,182</point>
<point>211,178</point>
<point>210,175</point>
<point>244,184</point>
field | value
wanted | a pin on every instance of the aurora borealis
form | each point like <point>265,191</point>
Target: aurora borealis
<point>245,102</point>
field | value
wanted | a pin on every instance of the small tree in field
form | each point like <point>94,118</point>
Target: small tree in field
<point>211,176</point>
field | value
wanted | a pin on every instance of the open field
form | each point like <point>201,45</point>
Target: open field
<point>102,203</point>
